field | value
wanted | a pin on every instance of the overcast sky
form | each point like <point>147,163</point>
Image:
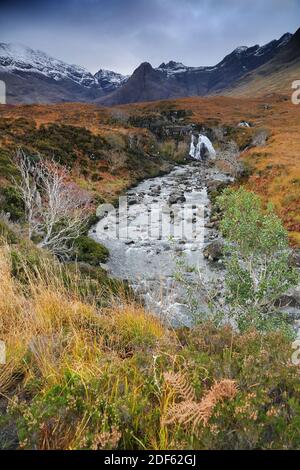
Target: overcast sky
<point>120,34</point>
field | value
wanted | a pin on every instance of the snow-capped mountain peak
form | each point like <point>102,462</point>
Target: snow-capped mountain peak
<point>18,58</point>
<point>109,80</point>
<point>172,67</point>
<point>285,39</point>
<point>34,76</point>
<point>240,50</point>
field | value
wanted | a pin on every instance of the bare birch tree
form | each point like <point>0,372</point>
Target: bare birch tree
<point>56,209</point>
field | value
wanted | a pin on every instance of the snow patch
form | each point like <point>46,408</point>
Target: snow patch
<point>244,124</point>
<point>240,50</point>
<point>285,39</point>
<point>110,80</point>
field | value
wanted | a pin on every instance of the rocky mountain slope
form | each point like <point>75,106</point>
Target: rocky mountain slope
<point>276,76</point>
<point>174,79</point>
<point>109,81</point>
<point>34,77</point>
<point>145,84</point>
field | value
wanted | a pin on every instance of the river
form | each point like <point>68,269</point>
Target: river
<point>163,262</point>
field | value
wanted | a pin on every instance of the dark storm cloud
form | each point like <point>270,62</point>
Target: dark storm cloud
<point>119,34</point>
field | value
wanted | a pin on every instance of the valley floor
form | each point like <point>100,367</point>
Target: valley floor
<point>87,367</point>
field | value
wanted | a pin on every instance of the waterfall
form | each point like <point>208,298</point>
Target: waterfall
<point>204,149</point>
<point>192,147</point>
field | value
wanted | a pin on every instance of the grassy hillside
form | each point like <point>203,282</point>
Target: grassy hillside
<point>84,375</point>
<point>266,81</point>
<point>105,154</point>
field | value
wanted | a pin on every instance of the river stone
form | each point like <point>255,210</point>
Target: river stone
<point>156,190</point>
<point>260,138</point>
<point>295,258</point>
<point>104,267</point>
<point>214,251</point>
<point>132,201</point>
<point>165,246</point>
<point>214,185</point>
<point>175,198</point>
<point>210,225</point>
<point>290,299</point>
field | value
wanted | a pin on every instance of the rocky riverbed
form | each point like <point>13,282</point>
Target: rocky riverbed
<point>164,261</point>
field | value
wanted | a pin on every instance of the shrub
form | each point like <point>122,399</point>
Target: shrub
<point>89,251</point>
<point>62,412</point>
<point>258,269</point>
<point>7,234</point>
<point>13,203</point>
<point>168,149</point>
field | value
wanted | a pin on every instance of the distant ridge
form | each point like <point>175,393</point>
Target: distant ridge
<point>34,77</point>
<point>276,76</point>
<point>175,80</point>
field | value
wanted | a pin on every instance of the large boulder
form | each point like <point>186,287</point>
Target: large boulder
<point>260,138</point>
<point>290,299</point>
<point>214,251</point>
<point>295,258</point>
<point>215,187</point>
<point>176,198</point>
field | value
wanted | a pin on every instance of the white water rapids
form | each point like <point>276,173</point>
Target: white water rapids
<point>150,264</point>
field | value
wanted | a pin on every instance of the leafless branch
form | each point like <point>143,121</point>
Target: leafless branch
<point>56,209</point>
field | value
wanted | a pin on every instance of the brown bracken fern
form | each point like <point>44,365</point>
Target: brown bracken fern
<point>181,385</point>
<point>193,412</point>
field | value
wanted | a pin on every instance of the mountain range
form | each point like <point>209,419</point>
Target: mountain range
<point>32,76</point>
